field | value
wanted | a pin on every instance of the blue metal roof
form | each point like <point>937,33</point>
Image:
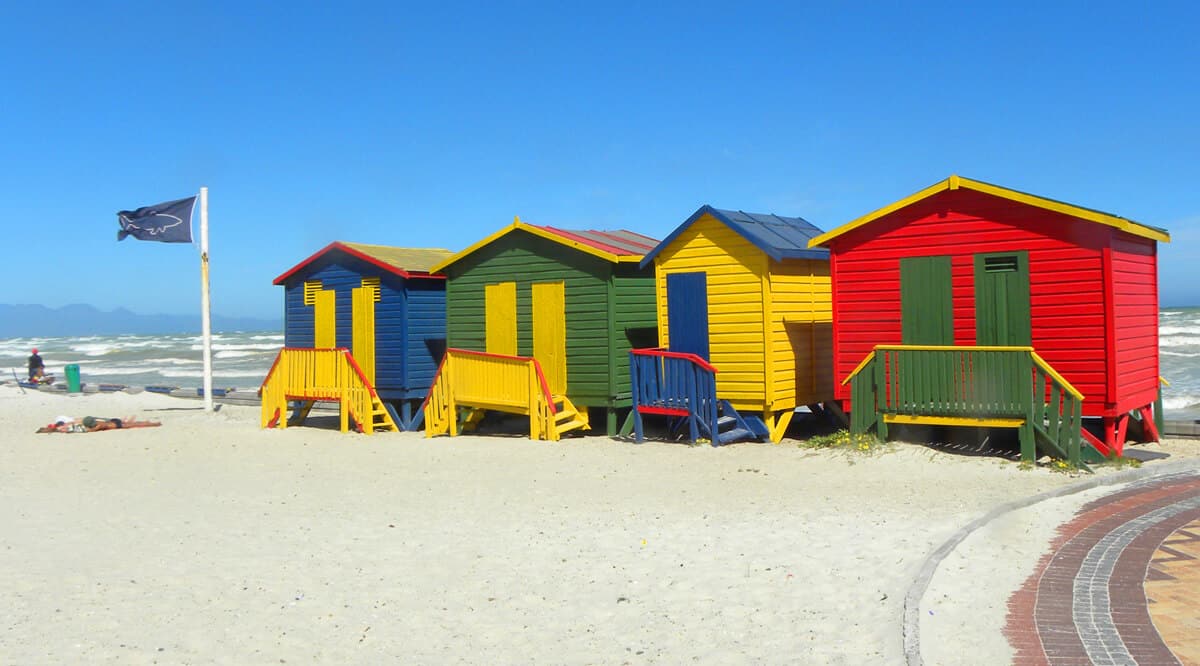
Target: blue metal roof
<point>779,237</point>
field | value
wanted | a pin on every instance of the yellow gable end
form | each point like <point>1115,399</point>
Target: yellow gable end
<point>734,270</point>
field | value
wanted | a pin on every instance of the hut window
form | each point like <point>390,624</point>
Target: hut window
<point>642,337</point>
<point>372,283</point>
<point>1004,264</point>
<point>311,287</point>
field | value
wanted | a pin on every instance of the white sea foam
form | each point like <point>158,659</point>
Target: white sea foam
<point>240,373</point>
<point>236,354</point>
<point>239,347</point>
<point>171,361</point>
<point>1164,331</point>
<point>1179,341</point>
<point>1186,401</point>
<point>97,371</point>
<point>1164,352</point>
<point>94,349</point>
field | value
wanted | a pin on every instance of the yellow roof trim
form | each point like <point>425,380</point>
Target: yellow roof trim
<point>440,266</point>
<point>955,182</point>
<point>542,233</point>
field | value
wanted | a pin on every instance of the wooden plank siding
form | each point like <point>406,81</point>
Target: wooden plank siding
<point>525,259</point>
<point>391,333</point>
<point>1065,274</point>
<point>632,307</point>
<point>735,270</point>
<point>297,317</point>
<point>801,333</point>
<point>1135,309</point>
<point>426,333</point>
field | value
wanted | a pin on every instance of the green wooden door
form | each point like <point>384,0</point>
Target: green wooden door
<point>1002,299</point>
<point>926,305</point>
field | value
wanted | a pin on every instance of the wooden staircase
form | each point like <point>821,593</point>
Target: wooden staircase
<point>684,387</point>
<point>996,387</point>
<point>307,376</point>
<point>468,384</point>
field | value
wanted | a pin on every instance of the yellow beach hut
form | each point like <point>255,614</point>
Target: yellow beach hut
<point>743,294</point>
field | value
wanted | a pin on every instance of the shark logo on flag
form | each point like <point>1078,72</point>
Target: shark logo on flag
<point>167,222</point>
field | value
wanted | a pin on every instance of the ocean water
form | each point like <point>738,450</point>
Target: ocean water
<point>240,359</point>
<point>1179,360</point>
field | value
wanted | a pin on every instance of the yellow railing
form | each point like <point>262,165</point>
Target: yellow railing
<point>319,374</point>
<point>479,380</point>
<point>1059,379</point>
<point>865,362</point>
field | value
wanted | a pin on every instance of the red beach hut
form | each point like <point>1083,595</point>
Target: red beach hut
<point>967,303</point>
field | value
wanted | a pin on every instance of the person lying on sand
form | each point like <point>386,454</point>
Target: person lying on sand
<point>94,424</point>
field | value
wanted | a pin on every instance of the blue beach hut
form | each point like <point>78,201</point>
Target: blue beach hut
<point>381,303</point>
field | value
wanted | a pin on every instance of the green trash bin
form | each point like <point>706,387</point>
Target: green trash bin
<point>72,372</point>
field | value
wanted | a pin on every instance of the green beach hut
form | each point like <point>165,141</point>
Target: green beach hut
<point>575,300</point>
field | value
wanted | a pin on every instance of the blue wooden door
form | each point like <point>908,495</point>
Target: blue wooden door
<point>687,313</point>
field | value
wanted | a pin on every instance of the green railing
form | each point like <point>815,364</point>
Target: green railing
<point>982,386</point>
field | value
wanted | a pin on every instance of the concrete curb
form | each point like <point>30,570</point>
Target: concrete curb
<point>920,584</point>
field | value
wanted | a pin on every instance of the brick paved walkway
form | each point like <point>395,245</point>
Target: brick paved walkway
<point>1118,585</point>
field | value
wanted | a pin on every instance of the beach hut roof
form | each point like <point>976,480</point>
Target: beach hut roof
<point>403,261</point>
<point>618,246</point>
<point>955,182</point>
<point>779,237</point>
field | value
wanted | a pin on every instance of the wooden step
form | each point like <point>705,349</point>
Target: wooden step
<point>565,413</point>
<point>735,435</point>
<point>381,418</point>
<point>567,426</point>
<point>567,417</point>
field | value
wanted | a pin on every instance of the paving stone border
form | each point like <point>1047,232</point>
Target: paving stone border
<point>920,584</point>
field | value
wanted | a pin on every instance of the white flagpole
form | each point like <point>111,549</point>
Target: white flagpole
<point>205,326</point>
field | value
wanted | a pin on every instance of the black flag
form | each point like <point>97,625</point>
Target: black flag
<point>167,222</point>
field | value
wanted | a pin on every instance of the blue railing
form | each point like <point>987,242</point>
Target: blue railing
<point>673,384</point>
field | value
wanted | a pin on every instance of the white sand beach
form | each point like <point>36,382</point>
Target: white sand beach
<point>209,540</point>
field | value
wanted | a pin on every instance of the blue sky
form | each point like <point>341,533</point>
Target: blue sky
<point>415,125</point>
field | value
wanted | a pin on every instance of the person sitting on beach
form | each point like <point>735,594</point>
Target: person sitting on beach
<point>37,369</point>
<point>95,424</point>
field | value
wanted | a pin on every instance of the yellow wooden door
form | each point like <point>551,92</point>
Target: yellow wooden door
<point>363,335</point>
<point>500,312</point>
<point>325,319</point>
<point>550,334</point>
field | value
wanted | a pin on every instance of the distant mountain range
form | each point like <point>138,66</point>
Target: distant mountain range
<point>40,321</point>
